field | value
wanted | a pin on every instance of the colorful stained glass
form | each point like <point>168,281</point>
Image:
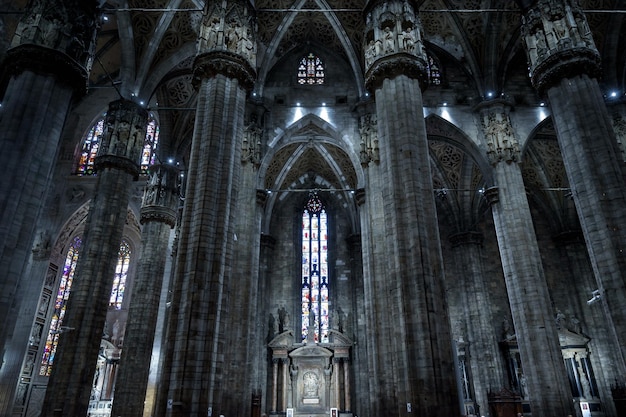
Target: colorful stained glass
<point>314,275</point>
<point>311,70</point>
<point>91,142</point>
<point>60,304</point>
<point>89,151</point>
<point>121,272</point>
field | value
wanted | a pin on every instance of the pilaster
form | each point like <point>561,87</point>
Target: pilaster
<point>529,300</point>
<point>117,165</point>
<point>158,215</point>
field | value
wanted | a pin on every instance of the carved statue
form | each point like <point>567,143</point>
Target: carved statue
<point>389,40</point>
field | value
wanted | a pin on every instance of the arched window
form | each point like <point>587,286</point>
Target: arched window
<point>314,276</point>
<point>434,75</point>
<point>311,70</point>
<point>121,272</point>
<point>91,142</point>
<point>63,294</point>
<point>56,324</point>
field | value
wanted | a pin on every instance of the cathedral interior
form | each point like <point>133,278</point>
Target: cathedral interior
<point>312,208</point>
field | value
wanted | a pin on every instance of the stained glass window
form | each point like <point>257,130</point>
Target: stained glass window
<point>63,294</point>
<point>148,156</point>
<point>91,142</point>
<point>315,280</point>
<point>434,75</point>
<point>88,153</point>
<point>121,272</point>
<point>60,303</point>
<point>311,70</point>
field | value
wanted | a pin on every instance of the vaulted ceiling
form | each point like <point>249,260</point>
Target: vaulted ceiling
<point>146,49</point>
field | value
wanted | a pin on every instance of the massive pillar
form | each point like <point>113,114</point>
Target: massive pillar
<point>472,326</point>
<point>246,338</point>
<point>49,62</point>
<point>117,165</point>
<point>531,309</point>
<point>565,65</point>
<point>418,357</point>
<point>204,278</point>
<point>158,215</point>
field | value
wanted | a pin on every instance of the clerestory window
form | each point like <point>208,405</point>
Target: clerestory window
<point>311,70</point>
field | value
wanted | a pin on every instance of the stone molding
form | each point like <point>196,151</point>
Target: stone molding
<point>232,65</point>
<point>45,61</point>
<point>391,66</point>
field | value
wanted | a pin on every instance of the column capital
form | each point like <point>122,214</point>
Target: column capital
<point>231,65</point>
<point>161,196</point>
<point>558,43</point>
<point>359,196</point>
<point>227,42</point>
<point>393,43</point>
<point>56,37</point>
<point>492,195</point>
<point>123,137</point>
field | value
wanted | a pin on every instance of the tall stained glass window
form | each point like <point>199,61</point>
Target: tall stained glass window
<point>311,70</point>
<point>63,294</point>
<point>91,143</point>
<point>121,272</point>
<point>314,274</point>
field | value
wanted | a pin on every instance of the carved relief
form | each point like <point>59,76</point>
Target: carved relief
<point>230,29</point>
<point>368,129</point>
<point>396,29</point>
<point>501,142</point>
<point>58,25</point>
<point>251,145</point>
<point>553,28</point>
<point>123,137</point>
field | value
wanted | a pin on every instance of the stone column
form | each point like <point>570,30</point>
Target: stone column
<point>117,165</point>
<point>346,383</point>
<point>274,385</point>
<point>158,215</point>
<point>337,398</point>
<point>526,286</point>
<point>246,337</point>
<point>285,367</point>
<point>474,320</point>
<point>204,278</point>
<point>420,347</point>
<point>48,62</point>
<point>564,66</point>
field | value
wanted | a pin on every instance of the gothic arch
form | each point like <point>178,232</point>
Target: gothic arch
<point>460,172</point>
<point>310,145</point>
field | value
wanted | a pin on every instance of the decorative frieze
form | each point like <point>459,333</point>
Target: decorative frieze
<point>558,42</point>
